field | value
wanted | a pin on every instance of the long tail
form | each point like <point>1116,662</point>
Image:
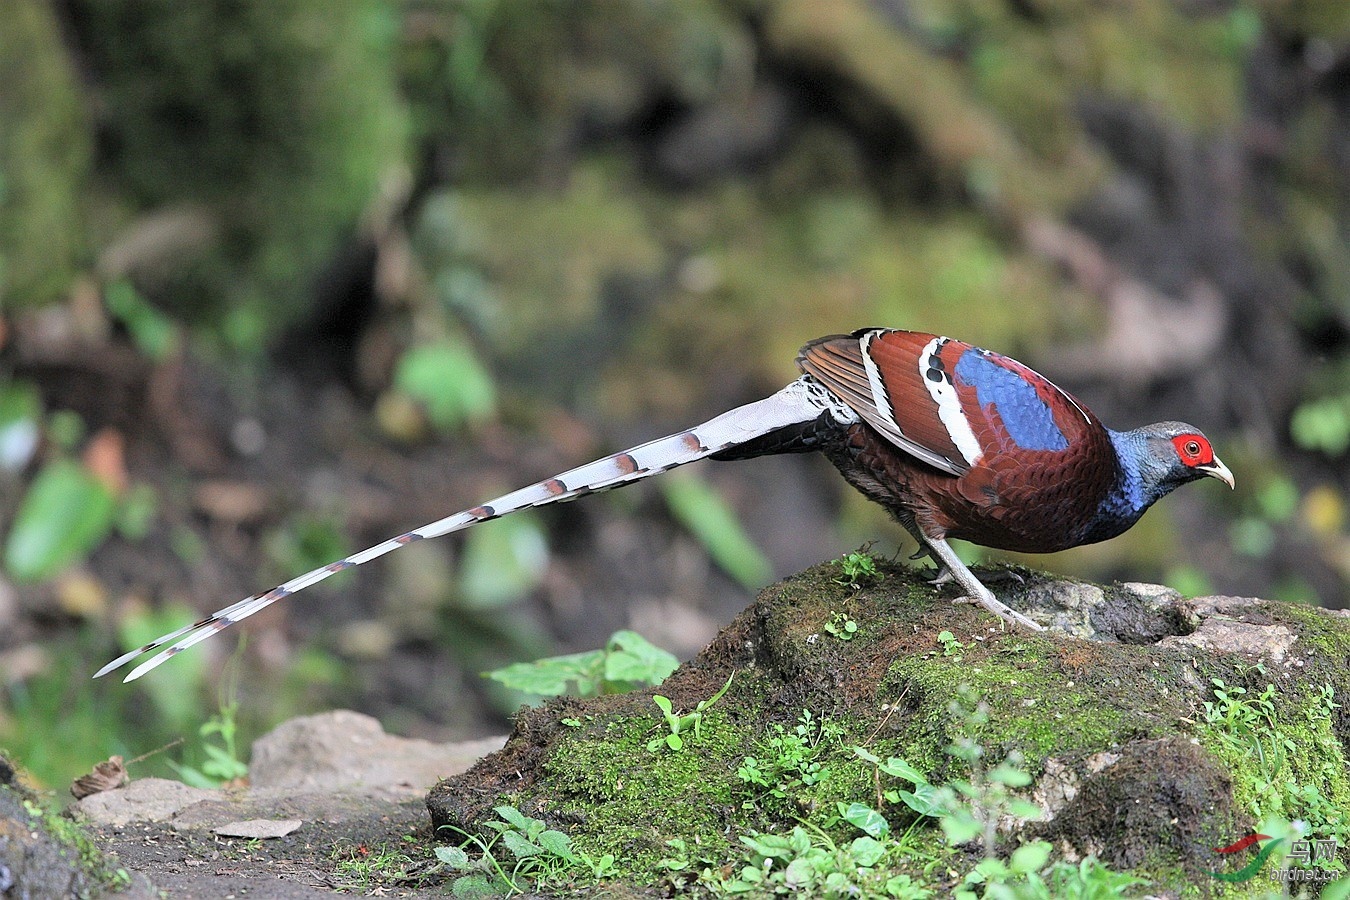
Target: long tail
<point>801,403</point>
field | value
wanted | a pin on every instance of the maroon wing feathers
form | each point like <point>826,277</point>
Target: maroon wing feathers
<point>897,355</point>
<point>838,363</point>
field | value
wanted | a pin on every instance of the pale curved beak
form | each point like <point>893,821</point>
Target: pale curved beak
<point>1218,470</point>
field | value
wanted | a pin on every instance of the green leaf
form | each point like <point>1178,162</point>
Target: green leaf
<point>1029,858</point>
<point>1010,775</point>
<point>65,515</point>
<point>707,516</point>
<point>222,765</point>
<point>798,873</point>
<point>514,817</point>
<point>633,658</point>
<point>550,677</point>
<point>960,827</point>
<point>1024,809</point>
<point>136,513</point>
<point>503,561</point>
<point>925,800</point>
<point>558,844</point>
<point>1337,890</point>
<point>475,886</point>
<point>154,333</point>
<point>449,382</point>
<point>520,846</point>
<point>20,412</point>
<point>675,742</point>
<point>866,851</point>
<point>453,857</point>
<point>863,753</point>
<point>866,819</point>
<point>900,768</point>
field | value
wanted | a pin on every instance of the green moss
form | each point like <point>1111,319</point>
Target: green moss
<point>1288,762</point>
<point>45,148</point>
<point>1109,713</point>
<point>1328,636</point>
<point>279,119</point>
<point>95,864</point>
<point>627,800</point>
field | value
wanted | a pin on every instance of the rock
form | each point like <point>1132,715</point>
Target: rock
<point>259,829</point>
<point>1112,726</point>
<point>348,751</point>
<point>1164,797</point>
<point>143,800</point>
<point>1217,635</point>
<point>323,782</point>
<point>43,855</point>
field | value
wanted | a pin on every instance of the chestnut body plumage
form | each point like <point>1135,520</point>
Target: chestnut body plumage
<point>955,441</point>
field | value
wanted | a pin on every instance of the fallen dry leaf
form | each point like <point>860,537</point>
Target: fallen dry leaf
<point>106,776</point>
<point>105,458</point>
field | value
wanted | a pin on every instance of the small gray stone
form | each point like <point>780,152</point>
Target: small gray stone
<point>144,800</point>
<point>1229,636</point>
<point>259,829</point>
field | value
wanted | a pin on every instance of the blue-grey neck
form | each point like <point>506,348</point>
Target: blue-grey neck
<point>1142,478</point>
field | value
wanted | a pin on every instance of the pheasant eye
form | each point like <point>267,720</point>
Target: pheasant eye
<point>1193,449</point>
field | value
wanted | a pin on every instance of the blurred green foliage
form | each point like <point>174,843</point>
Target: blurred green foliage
<point>65,514</point>
<point>278,119</point>
<point>154,333</point>
<point>307,541</point>
<point>449,382</point>
<point>20,422</point>
<point>45,149</point>
<point>503,561</point>
<point>627,661</point>
<point>710,519</point>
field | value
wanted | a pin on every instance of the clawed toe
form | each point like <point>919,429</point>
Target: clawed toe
<point>943,576</point>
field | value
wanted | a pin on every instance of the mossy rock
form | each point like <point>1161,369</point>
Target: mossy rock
<point>1111,725</point>
<point>47,855</point>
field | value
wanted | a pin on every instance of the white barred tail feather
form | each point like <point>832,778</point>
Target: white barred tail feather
<point>800,403</point>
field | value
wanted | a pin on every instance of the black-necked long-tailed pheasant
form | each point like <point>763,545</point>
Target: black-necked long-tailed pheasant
<point>955,441</point>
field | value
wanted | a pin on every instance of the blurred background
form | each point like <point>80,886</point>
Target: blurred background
<point>280,279</point>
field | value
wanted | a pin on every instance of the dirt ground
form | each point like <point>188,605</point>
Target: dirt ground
<point>348,797</point>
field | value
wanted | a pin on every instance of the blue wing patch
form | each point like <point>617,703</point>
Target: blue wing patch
<point>1028,419</point>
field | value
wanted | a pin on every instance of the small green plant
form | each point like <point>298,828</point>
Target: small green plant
<point>806,861</point>
<point>219,735</point>
<point>857,566</point>
<point>1247,727</point>
<point>950,645</point>
<point>787,761</point>
<point>523,854</point>
<point>682,725</point>
<point>448,381</point>
<point>842,626</point>
<point>1024,876</point>
<point>364,869</point>
<point>627,661</point>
